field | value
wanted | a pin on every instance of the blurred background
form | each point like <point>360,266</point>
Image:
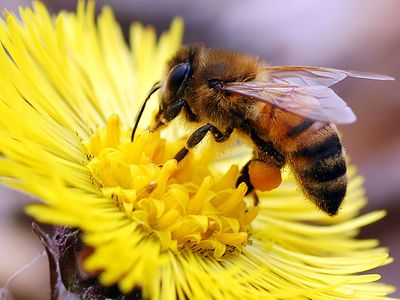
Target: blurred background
<point>359,35</point>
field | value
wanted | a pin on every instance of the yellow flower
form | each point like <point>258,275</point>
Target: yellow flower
<point>70,89</point>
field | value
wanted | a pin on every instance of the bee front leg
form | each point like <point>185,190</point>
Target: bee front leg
<point>198,135</point>
<point>163,117</point>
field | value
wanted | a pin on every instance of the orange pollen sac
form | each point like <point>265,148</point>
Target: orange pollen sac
<point>264,177</point>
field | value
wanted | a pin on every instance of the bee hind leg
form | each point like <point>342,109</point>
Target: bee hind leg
<point>260,175</point>
<point>245,177</point>
<point>198,135</point>
<point>263,172</point>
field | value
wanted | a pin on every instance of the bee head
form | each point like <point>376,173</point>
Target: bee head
<point>178,81</point>
<point>172,92</point>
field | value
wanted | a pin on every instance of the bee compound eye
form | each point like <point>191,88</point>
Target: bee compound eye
<point>177,77</point>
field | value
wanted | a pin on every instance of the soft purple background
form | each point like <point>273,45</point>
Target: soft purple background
<point>359,35</point>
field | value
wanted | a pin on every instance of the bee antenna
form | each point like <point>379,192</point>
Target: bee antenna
<point>154,89</point>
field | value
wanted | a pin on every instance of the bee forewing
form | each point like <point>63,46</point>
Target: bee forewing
<point>304,76</point>
<point>331,107</point>
<point>314,102</point>
<point>367,75</point>
<point>311,76</point>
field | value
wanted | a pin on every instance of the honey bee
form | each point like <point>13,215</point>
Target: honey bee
<point>288,112</point>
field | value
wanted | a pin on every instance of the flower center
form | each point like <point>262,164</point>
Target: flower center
<point>185,205</point>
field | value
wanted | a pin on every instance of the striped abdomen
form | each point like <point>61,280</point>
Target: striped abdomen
<point>318,162</point>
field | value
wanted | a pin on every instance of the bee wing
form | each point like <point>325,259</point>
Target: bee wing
<point>314,102</point>
<point>310,76</point>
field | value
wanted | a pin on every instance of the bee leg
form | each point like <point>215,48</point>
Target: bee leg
<point>263,171</point>
<point>266,151</point>
<point>260,175</point>
<point>174,110</point>
<point>255,197</point>
<point>163,118</point>
<point>245,177</point>
<point>198,135</point>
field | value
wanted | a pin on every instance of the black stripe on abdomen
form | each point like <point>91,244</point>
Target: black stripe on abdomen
<point>323,170</point>
<point>328,147</point>
<point>299,129</point>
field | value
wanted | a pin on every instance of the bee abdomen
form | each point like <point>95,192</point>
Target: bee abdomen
<point>321,171</point>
